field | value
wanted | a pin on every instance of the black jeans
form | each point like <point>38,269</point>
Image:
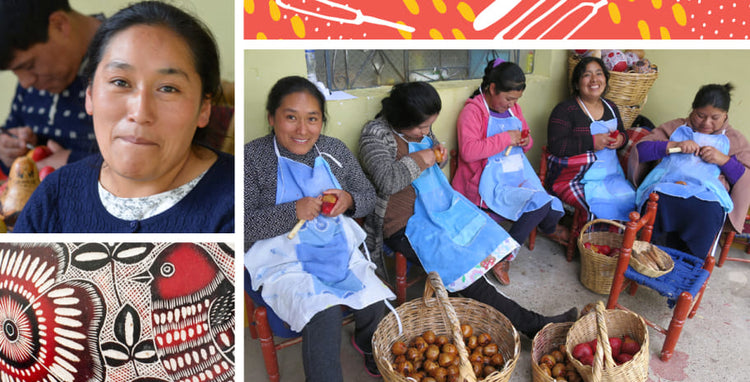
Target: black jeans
<point>321,340</point>
<point>545,217</point>
<point>525,321</point>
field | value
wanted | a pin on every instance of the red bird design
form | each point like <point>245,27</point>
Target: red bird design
<point>192,314</point>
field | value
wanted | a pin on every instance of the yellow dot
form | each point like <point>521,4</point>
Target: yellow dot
<point>458,35</point>
<point>664,33</point>
<point>466,11</point>
<point>435,34</point>
<point>298,26</point>
<point>274,10</point>
<point>614,13</point>
<point>261,36</point>
<point>439,5</point>
<point>412,6</point>
<point>643,28</point>
<point>679,14</point>
<point>249,6</point>
<point>404,34</point>
<point>656,4</point>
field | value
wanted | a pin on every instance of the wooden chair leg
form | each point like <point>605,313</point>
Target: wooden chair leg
<point>725,248</point>
<point>709,266</point>
<point>681,311</point>
<point>400,278</point>
<point>532,239</point>
<point>632,288</point>
<point>578,221</point>
<point>266,344</point>
<point>249,311</point>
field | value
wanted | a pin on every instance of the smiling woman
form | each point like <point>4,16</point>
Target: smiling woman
<point>152,71</point>
<point>583,135</point>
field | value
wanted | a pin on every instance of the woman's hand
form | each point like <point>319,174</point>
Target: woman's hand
<point>603,140</point>
<point>617,143</point>
<point>344,202</point>
<point>710,154</point>
<point>686,147</point>
<point>439,148</point>
<point>427,156</point>
<point>308,208</point>
<point>517,138</point>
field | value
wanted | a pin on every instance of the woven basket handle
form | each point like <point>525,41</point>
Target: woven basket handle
<point>603,355</point>
<point>595,221</point>
<point>435,286</point>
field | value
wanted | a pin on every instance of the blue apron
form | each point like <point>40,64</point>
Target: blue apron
<point>509,185</point>
<point>451,235</point>
<point>687,175</point>
<point>321,240</point>
<point>608,193</point>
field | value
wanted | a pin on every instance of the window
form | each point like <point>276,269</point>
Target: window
<point>353,69</point>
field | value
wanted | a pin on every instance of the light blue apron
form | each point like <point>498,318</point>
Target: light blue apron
<point>697,178</point>
<point>451,235</point>
<point>321,240</point>
<point>509,185</point>
<point>608,193</point>
<point>320,267</point>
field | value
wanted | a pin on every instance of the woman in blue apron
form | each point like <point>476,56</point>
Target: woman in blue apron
<point>703,179</point>
<point>583,135</point>
<point>307,276</point>
<point>421,216</point>
<point>493,171</point>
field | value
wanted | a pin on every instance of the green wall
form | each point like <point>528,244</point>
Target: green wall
<point>346,118</point>
<point>220,19</point>
<point>681,73</point>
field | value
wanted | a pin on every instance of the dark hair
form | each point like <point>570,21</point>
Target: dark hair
<point>506,76</point>
<point>24,23</point>
<point>409,104</point>
<point>155,13</point>
<point>197,37</point>
<point>580,68</point>
<point>714,95</point>
<point>290,85</point>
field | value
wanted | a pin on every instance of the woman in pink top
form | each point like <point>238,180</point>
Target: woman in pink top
<point>493,171</point>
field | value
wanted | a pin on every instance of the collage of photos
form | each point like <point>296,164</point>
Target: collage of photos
<point>409,190</point>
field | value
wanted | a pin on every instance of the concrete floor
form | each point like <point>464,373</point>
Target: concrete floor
<point>712,346</point>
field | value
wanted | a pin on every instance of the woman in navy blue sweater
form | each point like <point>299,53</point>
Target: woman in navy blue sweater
<point>152,71</point>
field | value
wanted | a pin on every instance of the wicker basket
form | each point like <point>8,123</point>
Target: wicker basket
<point>443,315</point>
<point>549,338</point>
<point>628,90</point>
<point>604,324</point>
<point>647,270</point>
<point>597,270</point>
<point>629,114</point>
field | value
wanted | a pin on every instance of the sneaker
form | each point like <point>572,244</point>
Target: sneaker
<point>371,367</point>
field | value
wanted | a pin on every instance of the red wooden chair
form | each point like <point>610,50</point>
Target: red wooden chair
<point>270,330</point>
<point>579,215</point>
<point>683,286</point>
<point>729,239</point>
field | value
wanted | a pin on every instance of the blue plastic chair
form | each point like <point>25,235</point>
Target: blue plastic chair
<point>683,286</point>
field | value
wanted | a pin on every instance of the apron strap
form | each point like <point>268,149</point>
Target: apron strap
<point>486,106</point>
<point>583,105</point>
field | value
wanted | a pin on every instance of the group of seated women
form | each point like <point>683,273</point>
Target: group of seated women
<point>409,206</point>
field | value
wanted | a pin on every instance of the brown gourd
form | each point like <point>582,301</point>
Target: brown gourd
<point>23,178</point>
